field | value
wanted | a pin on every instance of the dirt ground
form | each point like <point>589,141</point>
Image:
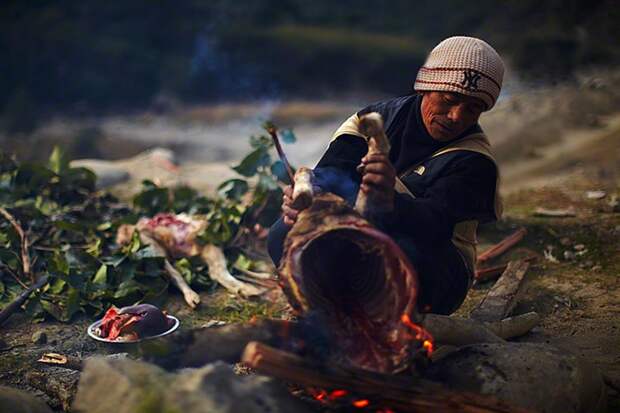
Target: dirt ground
<point>576,287</point>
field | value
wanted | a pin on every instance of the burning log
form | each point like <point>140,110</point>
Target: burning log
<point>463,331</point>
<point>201,346</point>
<point>374,390</point>
<point>503,246</point>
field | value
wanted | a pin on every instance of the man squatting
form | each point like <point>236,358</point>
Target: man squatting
<point>440,174</point>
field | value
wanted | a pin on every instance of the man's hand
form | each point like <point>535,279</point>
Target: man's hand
<point>378,176</point>
<point>289,214</point>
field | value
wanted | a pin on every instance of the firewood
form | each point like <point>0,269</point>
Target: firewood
<point>503,246</point>
<point>514,326</point>
<point>502,298</point>
<point>488,274</point>
<point>458,331</point>
<point>403,394</point>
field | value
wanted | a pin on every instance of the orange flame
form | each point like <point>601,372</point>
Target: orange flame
<point>360,404</point>
<point>421,334</point>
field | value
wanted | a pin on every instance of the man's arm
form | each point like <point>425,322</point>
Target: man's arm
<point>465,191</point>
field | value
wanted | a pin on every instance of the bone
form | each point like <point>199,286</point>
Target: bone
<point>191,297</point>
<point>371,125</point>
<point>215,259</point>
<point>303,191</point>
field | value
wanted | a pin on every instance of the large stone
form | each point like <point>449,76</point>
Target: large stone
<point>125,386</point>
<point>534,376</point>
<point>18,401</point>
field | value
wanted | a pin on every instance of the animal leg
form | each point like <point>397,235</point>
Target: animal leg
<point>215,259</point>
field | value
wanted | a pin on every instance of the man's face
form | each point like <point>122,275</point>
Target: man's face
<point>446,114</point>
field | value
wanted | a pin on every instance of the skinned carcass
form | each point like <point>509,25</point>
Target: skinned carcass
<point>176,236</point>
<point>355,278</point>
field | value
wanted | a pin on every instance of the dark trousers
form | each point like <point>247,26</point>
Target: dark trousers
<point>443,276</point>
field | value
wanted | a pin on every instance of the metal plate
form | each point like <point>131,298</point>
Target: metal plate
<point>91,332</point>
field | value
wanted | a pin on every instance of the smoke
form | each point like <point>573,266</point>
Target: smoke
<point>221,74</point>
<point>339,182</point>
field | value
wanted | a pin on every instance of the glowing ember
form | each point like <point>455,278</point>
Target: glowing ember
<point>360,404</point>
<point>337,394</point>
<point>420,334</point>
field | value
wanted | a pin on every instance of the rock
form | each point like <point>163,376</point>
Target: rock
<point>533,376</point>
<point>579,247</point>
<point>18,401</point>
<point>132,386</point>
<point>39,337</point>
<point>569,255</point>
<point>595,194</point>
<point>58,383</point>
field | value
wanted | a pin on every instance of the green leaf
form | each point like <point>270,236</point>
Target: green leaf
<point>134,245</point>
<point>279,171</point>
<point>152,201</point>
<point>184,267</point>
<point>101,277</point>
<point>72,305</point>
<point>94,248</point>
<point>1,288</point>
<point>58,162</point>
<point>267,183</point>
<point>59,263</point>
<point>250,164</point>
<point>288,136</point>
<point>146,252</point>
<point>233,189</point>
<point>126,288</point>
<point>57,286</point>
<point>53,309</point>
<point>243,262</point>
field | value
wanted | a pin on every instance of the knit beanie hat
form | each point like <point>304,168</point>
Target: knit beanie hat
<point>465,65</point>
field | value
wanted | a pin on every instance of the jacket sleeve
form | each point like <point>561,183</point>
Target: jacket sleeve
<point>465,191</point>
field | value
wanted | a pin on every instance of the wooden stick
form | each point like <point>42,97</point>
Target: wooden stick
<point>12,274</point>
<point>488,274</point>
<point>514,326</point>
<point>273,132</point>
<point>402,394</point>
<point>503,246</point>
<point>23,241</point>
<point>17,302</point>
<point>502,298</point>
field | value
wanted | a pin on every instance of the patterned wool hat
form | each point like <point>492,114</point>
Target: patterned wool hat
<point>465,65</point>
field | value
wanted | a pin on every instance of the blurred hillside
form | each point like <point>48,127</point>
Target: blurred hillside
<point>76,57</point>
